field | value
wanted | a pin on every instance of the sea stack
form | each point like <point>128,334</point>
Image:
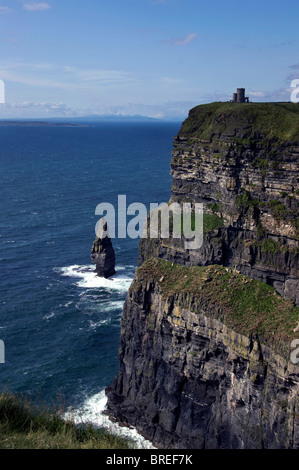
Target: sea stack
<point>102,252</point>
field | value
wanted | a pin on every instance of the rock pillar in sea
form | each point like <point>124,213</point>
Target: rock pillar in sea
<point>102,252</point>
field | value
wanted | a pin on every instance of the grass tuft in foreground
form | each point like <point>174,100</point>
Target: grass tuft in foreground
<point>26,426</point>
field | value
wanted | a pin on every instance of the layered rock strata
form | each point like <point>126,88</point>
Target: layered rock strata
<point>207,334</point>
<point>242,163</point>
<point>195,373</point>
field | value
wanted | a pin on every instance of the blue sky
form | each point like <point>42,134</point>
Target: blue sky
<point>152,57</point>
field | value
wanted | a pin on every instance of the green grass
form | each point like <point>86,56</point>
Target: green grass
<point>245,200</point>
<point>269,246</point>
<point>215,207</point>
<point>211,222</point>
<point>26,426</point>
<point>277,121</point>
<point>248,306</point>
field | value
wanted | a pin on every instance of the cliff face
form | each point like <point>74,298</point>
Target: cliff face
<point>246,175</point>
<point>205,345</point>
<point>197,373</point>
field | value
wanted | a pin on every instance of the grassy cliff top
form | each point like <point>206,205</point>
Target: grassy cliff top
<point>248,306</point>
<point>277,121</point>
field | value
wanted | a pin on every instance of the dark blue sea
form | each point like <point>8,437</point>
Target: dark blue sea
<point>60,322</point>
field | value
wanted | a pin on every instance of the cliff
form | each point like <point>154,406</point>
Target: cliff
<point>201,370</point>
<point>206,334</point>
<point>241,162</point>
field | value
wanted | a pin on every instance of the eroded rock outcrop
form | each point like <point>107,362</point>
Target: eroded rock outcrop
<point>102,252</point>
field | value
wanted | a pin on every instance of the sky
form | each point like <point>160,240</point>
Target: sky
<point>157,58</point>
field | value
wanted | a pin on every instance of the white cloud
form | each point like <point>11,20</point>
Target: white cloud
<point>28,109</point>
<point>182,41</point>
<point>53,76</point>
<point>102,90</point>
<point>257,94</point>
<point>4,9</point>
<point>36,6</point>
<point>279,94</point>
<point>172,110</point>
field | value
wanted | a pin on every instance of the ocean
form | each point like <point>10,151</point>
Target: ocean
<point>60,323</point>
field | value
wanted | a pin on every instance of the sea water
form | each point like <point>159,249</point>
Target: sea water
<point>60,323</point>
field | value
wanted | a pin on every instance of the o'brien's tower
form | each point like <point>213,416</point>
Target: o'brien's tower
<point>240,97</point>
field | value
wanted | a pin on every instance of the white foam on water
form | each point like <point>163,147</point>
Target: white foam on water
<point>94,325</point>
<point>130,267</point>
<point>91,412</point>
<point>89,279</point>
<point>118,305</point>
<point>50,315</point>
<point>105,308</point>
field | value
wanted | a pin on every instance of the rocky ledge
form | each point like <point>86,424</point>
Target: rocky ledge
<point>242,162</point>
<point>200,368</point>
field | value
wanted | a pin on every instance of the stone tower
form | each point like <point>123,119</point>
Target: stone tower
<point>240,97</point>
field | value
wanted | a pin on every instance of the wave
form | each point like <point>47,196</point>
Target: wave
<point>91,412</point>
<point>49,315</point>
<point>89,279</point>
<point>94,325</point>
<point>110,306</point>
